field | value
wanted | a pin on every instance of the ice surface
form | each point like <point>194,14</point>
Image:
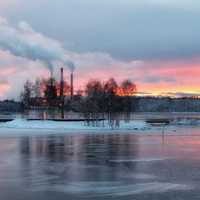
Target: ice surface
<point>113,189</point>
<point>139,160</point>
<point>186,122</point>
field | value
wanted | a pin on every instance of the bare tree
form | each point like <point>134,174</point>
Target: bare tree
<point>27,94</point>
<point>51,92</point>
<point>37,88</point>
<point>111,100</point>
<point>94,100</point>
<point>128,91</point>
<point>128,88</point>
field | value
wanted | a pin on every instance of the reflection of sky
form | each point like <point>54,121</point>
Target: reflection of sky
<point>93,165</point>
<point>78,158</point>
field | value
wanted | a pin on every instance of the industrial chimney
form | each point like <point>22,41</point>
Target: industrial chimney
<point>51,80</point>
<point>61,83</point>
<point>62,99</point>
<point>72,85</point>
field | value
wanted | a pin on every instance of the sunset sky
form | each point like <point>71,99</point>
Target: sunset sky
<point>154,43</point>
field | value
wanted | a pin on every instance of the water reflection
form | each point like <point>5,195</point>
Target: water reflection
<point>99,166</point>
<point>60,159</point>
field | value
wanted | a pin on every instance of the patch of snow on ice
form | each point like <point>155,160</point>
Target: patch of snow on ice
<point>55,125</point>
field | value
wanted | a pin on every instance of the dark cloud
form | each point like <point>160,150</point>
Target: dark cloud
<point>141,30</point>
<point>158,79</point>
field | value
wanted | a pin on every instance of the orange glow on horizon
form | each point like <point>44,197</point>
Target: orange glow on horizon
<point>130,91</point>
<point>153,79</point>
<point>4,88</point>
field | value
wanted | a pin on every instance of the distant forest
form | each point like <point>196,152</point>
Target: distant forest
<point>138,104</point>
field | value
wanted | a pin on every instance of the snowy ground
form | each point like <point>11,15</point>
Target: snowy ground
<point>55,125</point>
<point>23,126</point>
<point>20,126</point>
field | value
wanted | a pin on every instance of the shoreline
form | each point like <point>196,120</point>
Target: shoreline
<point>153,131</point>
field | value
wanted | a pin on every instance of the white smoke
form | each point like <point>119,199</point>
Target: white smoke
<point>23,41</point>
<point>70,65</point>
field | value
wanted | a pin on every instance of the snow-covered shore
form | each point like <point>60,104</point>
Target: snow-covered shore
<point>18,125</point>
<point>48,124</point>
<point>47,127</point>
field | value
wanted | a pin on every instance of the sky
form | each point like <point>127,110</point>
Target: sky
<point>154,43</point>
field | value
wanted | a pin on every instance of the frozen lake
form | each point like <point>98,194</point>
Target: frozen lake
<point>101,166</point>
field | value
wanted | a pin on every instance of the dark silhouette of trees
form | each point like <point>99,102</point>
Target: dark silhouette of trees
<point>50,89</point>
<point>37,90</point>
<point>110,89</point>
<point>111,101</point>
<point>100,100</point>
<point>93,103</point>
<point>50,92</point>
<point>128,88</point>
<point>44,92</point>
<point>66,88</point>
<point>108,100</point>
<point>27,94</point>
<point>128,91</point>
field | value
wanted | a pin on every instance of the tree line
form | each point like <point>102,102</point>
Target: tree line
<point>108,99</point>
<point>42,92</point>
<point>100,99</point>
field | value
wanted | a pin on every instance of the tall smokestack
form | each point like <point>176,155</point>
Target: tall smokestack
<point>51,79</point>
<point>72,85</point>
<point>61,83</point>
<point>62,93</point>
<point>51,74</point>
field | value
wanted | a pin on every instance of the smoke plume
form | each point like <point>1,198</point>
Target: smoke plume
<point>23,41</point>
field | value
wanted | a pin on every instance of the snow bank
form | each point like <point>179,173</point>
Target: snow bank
<point>54,125</point>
